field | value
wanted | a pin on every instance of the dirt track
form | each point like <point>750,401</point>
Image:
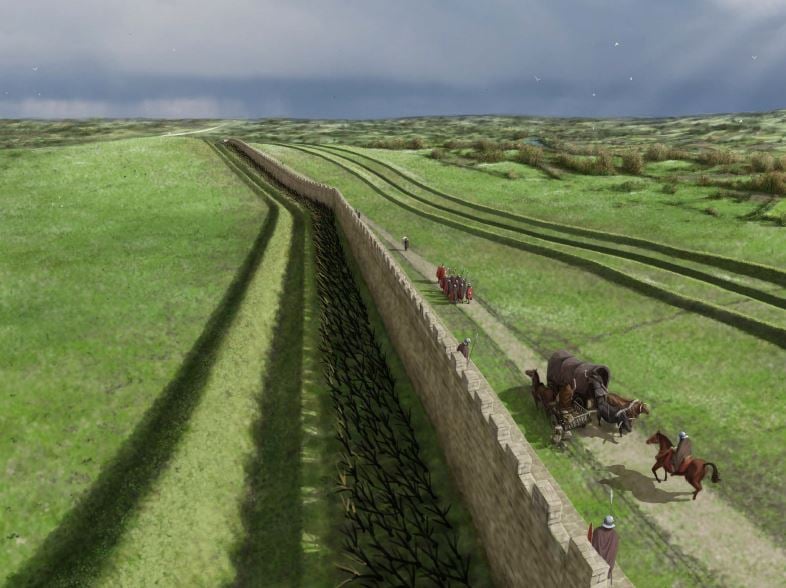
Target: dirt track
<point>707,529</point>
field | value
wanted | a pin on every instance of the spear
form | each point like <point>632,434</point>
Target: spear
<point>471,347</point>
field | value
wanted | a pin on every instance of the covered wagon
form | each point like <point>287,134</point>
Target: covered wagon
<point>591,379</point>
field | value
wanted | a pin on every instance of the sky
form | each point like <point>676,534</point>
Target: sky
<point>372,59</point>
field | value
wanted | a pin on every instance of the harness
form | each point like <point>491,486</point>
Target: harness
<point>626,409</point>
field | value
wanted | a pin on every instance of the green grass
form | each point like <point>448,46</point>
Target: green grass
<point>183,533</point>
<point>101,302</point>
<point>292,515</point>
<point>40,133</point>
<point>697,373</point>
<point>593,202</point>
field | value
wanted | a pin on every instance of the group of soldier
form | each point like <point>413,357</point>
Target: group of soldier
<point>455,287</point>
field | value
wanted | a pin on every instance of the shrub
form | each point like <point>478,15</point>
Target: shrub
<point>704,180</point>
<point>437,154</point>
<point>530,154</point>
<point>512,175</point>
<point>762,162</point>
<point>416,143</point>
<point>669,188</point>
<point>451,144</point>
<point>519,135</point>
<point>490,156</point>
<point>487,151</point>
<point>603,163</point>
<point>632,163</point>
<point>773,182</point>
<point>630,186</point>
<point>779,163</point>
<point>656,152</point>
<point>711,211</point>
<point>716,157</point>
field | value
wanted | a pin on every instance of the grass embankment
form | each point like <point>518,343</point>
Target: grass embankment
<point>185,530</point>
<point>101,302</point>
<point>597,202</point>
<point>648,263</point>
<point>697,374</point>
<point>292,515</point>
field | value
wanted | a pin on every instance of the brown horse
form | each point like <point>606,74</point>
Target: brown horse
<point>565,396</point>
<point>695,471</point>
<point>635,407</point>
<point>541,394</point>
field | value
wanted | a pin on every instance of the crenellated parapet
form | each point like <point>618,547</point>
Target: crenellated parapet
<point>531,533</point>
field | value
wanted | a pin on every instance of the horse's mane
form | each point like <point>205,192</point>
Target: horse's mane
<point>666,438</point>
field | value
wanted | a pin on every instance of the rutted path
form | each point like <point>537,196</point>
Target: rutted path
<point>708,528</point>
<point>193,132</point>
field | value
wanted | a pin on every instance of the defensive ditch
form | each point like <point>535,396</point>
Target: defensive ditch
<point>397,528</point>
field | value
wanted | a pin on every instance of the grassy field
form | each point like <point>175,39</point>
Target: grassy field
<point>161,325</point>
<point>38,133</point>
<point>113,258</point>
<point>698,373</point>
<point>140,282</point>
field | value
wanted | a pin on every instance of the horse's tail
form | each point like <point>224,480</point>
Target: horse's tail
<point>715,474</point>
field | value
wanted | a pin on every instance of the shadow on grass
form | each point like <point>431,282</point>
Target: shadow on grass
<point>75,552</point>
<point>271,553</point>
<point>642,487</point>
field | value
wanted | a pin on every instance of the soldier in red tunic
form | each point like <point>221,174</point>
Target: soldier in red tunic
<point>440,272</point>
<point>469,292</point>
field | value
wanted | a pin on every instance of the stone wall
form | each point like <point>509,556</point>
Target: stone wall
<point>531,533</point>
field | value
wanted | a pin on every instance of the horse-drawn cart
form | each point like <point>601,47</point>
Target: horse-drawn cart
<point>585,380</point>
<point>564,421</point>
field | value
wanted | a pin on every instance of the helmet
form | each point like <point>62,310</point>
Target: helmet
<point>608,522</point>
<point>467,340</point>
<point>683,435</point>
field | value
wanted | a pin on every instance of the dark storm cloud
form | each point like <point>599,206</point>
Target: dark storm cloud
<point>360,59</point>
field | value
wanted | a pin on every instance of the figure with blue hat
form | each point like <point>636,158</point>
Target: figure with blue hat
<point>682,455</point>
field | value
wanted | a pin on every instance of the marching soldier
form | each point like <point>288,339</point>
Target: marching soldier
<point>469,292</point>
<point>464,347</point>
<point>406,243</point>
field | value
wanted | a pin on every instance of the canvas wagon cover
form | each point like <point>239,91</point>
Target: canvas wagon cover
<point>563,368</point>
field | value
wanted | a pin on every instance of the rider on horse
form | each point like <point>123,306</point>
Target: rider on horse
<point>683,454</point>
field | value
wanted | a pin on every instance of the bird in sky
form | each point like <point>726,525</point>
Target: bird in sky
<point>35,68</point>
<point>593,93</point>
<point>616,43</point>
<point>631,78</point>
<point>537,79</point>
<point>753,57</point>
